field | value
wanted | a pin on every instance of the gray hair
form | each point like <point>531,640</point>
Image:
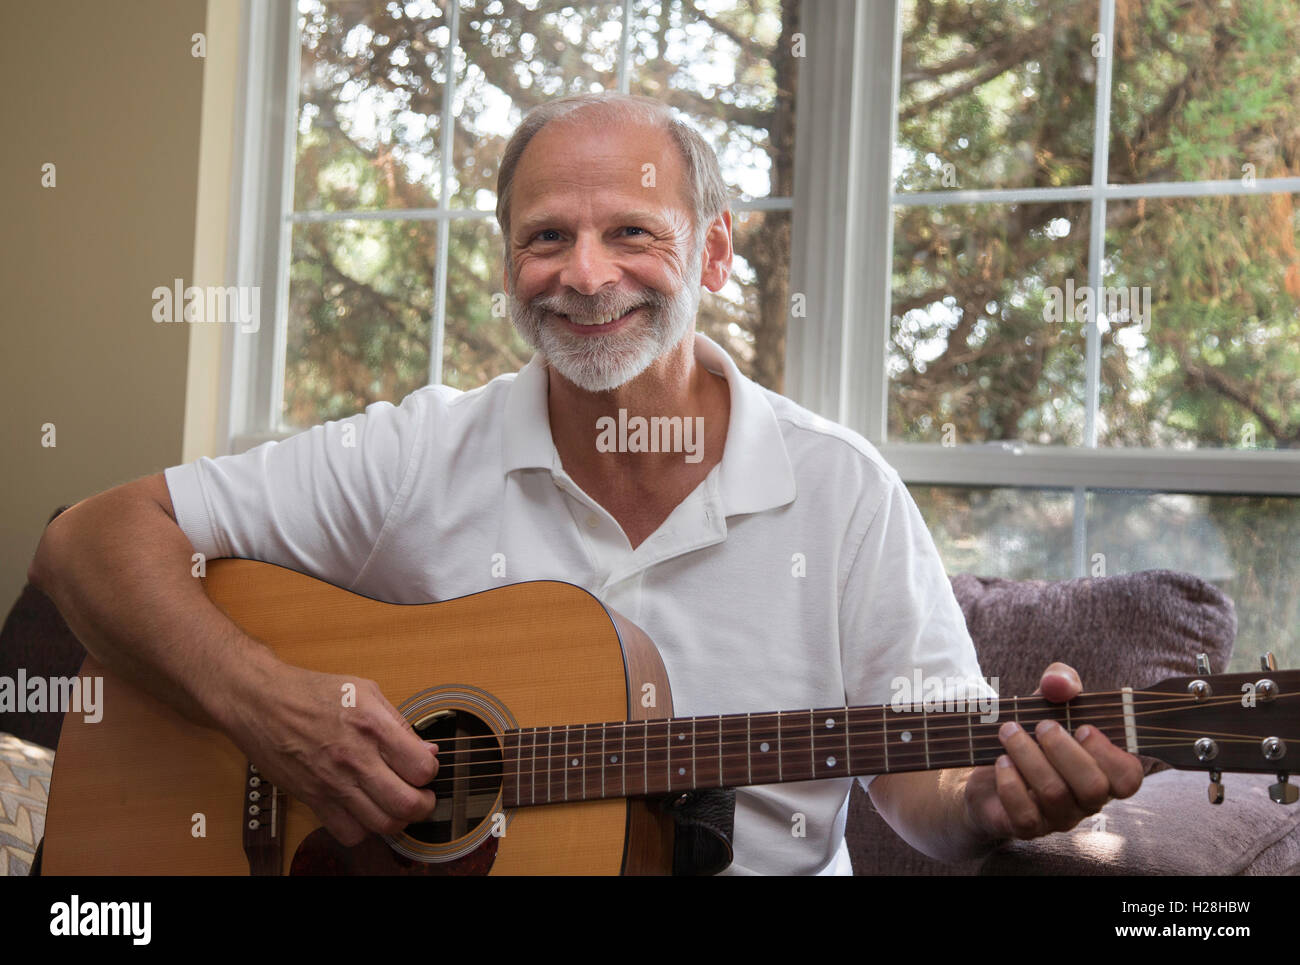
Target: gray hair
<point>706,191</point>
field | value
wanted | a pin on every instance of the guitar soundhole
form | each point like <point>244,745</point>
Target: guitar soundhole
<point>468,779</point>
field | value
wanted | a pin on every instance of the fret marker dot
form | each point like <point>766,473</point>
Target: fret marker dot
<point>905,736</point>
<point>763,747</point>
<point>575,762</point>
<point>613,758</point>
<point>830,722</point>
<point>830,762</point>
<point>681,770</point>
<point>681,737</point>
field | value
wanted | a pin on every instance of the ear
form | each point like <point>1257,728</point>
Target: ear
<point>716,268</point>
<point>505,271</point>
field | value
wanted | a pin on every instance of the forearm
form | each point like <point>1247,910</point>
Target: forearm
<point>928,810</point>
<point>119,569</point>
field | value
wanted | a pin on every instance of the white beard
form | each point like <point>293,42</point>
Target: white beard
<point>599,363</point>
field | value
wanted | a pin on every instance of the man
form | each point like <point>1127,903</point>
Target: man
<point>775,559</point>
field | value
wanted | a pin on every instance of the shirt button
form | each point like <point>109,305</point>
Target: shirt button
<point>592,521</point>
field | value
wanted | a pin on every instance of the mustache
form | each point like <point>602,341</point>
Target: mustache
<point>585,307</point>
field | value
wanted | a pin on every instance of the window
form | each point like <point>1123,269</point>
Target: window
<point>1095,266</point>
<point>391,260</point>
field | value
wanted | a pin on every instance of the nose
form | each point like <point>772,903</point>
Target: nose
<point>588,267</point>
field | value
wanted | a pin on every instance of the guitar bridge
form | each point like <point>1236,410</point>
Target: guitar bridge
<point>263,821</point>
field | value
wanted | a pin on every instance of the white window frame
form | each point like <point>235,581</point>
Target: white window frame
<point>263,219</point>
<point>841,260</point>
<point>843,253</point>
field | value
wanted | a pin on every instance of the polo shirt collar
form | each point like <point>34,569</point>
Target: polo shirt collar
<point>755,473</point>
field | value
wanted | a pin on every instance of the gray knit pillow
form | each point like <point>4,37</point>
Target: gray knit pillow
<point>1116,631</point>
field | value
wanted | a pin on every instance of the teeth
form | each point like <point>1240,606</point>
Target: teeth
<point>601,320</point>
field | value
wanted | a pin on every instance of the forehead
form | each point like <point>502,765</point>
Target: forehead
<point>591,160</point>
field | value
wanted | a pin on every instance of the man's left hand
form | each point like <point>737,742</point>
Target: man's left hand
<point>1050,780</point>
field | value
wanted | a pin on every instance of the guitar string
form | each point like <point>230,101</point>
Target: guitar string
<point>1169,703</point>
<point>935,724</point>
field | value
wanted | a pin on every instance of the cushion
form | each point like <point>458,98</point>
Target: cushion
<point>1117,631</point>
<point>24,790</point>
<point>1170,828</point>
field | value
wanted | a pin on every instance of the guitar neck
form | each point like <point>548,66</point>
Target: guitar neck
<point>548,765</point>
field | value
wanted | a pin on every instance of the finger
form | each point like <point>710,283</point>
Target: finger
<point>1055,799</point>
<point>338,822</point>
<point>410,756</point>
<point>1123,771</point>
<point>1060,683</point>
<point>1026,820</point>
<point>397,800</point>
<point>1086,781</point>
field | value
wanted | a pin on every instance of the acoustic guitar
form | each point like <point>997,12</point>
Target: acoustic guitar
<point>557,740</point>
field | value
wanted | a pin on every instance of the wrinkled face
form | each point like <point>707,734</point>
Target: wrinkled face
<point>606,275</point>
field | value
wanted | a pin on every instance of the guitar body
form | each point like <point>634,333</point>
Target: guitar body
<point>130,792</point>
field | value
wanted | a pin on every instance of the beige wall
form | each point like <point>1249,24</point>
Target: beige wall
<point>110,93</point>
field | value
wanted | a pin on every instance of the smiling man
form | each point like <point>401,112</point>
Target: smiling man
<point>786,567</point>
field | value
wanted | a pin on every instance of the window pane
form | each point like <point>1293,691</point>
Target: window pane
<point>1245,545</point>
<point>730,67</point>
<point>1205,90</point>
<point>1015,534</point>
<point>479,340</point>
<point>995,95</point>
<point>969,344</point>
<point>1216,359</point>
<point>515,56</point>
<point>360,304</point>
<point>370,104</point>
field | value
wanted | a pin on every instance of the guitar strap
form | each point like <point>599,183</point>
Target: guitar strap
<point>704,821</point>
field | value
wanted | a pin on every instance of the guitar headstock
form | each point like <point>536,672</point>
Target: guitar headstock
<point>1246,722</point>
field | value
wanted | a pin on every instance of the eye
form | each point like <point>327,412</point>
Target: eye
<point>634,228</point>
<point>545,231</point>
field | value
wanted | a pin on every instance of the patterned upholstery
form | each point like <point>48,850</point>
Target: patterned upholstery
<point>24,790</point>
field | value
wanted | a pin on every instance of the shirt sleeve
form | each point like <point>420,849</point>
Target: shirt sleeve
<point>317,502</point>
<point>899,619</point>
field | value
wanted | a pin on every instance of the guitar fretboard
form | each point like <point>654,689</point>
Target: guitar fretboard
<point>548,765</point>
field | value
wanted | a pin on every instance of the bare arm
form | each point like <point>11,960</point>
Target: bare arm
<point>119,569</point>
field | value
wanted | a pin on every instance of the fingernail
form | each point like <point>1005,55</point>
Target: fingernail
<point>1004,761</point>
<point>1047,726</point>
<point>1009,730</point>
<point>1083,733</point>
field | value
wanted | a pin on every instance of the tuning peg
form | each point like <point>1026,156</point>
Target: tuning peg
<point>1282,792</point>
<point>1203,664</point>
<point>1266,662</point>
<point>1216,787</point>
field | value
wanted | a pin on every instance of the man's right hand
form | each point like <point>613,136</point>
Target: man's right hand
<point>342,750</point>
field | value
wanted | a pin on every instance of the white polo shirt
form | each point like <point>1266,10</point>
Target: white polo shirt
<point>798,574</point>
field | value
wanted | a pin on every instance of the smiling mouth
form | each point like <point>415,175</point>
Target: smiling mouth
<point>598,321</point>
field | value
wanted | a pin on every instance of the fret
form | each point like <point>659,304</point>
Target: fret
<point>811,743</point>
<point>796,763</point>
<point>622,754</point>
<point>645,759</point>
<point>602,760</point>
<point>884,735</point>
<point>564,764</point>
<point>509,793</point>
<point>829,751</point>
<point>721,780</point>
<point>1068,726</point>
<point>549,758</point>
<point>762,749</point>
<point>925,731</point>
<point>970,738</point>
<point>657,744</point>
<point>533,774</point>
<point>694,783</point>
<point>780,772</point>
<point>734,737</point>
<point>584,762</point>
<point>668,755</point>
<point>848,753</point>
<point>749,760</point>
